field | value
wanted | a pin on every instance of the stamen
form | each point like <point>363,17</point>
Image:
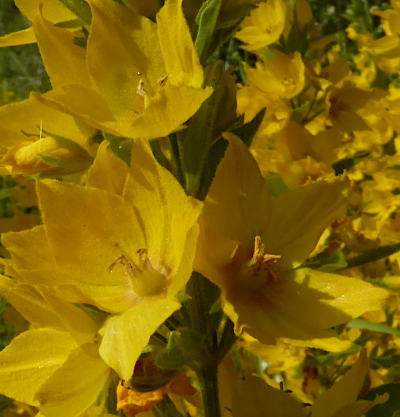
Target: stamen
<point>263,261</point>
<point>163,81</point>
<point>140,90</point>
<point>146,280</point>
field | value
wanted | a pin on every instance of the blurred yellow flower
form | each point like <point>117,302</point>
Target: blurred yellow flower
<point>264,26</point>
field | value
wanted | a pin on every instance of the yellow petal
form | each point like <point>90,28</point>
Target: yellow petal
<point>299,216</point>
<point>232,214</point>
<point>22,37</point>
<point>108,172</point>
<point>63,59</point>
<point>75,385</point>
<point>38,255</point>
<point>122,48</point>
<point>167,214</point>
<point>87,239</point>
<point>33,263</point>
<point>72,319</point>
<point>127,334</point>
<point>80,101</point>
<point>44,310</point>
<point>360,408</point>
<point>343,392</point>
<point>31,117</point>
<point>281,76</point>
<point>303,305</point>
<point>167,110</point>
<point>330,344</point>
<point>264,26</point>
<point>180,56</point>
<point>252,397</point>
<point>30,359</point>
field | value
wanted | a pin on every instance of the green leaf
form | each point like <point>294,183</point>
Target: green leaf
<point>170,359</point>
<point>373,255</point>
<point>249,130</point>
<point>80,8</point>
<point>69,24</point>
<point>337,261</point>
<point>68,165</point>
<point>372,327</point>
<point>276,184</point>
<point>328,262</point>
<point>206,20</point>
<point>5,402</point>
<point>120,146</point>
<point>68,144</point>
<point>391,406</point>
<point>234,15</point>
<point>347,163</point>
<point>334,262</point>
<point>215,115</point>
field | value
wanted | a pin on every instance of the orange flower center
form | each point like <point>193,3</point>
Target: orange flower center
<point>257,272</point>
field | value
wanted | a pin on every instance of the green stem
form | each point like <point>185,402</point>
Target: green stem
<point>207,370</point>
<point>209,390</point>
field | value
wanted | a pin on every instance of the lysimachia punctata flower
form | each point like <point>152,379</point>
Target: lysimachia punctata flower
<point>125,245</point>
<point>281,76</point>
<point>264,26</point>
<point>36,138</point>
<point>137,78</point>
<point>55,365</point>
<point>251,244</point>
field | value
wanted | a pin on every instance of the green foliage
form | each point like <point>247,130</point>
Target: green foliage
<point>373,327</point>
<point>391,407</point>
<point>21,68</point>
<point>217,113</point>
<point>120,146</point>
<point>80,8</point>
<point>347,163</point>
<point>206,20</point>
<point>6,329</point>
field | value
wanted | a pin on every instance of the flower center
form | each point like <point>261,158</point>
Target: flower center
<point>337,106</point>
<point>257,272</point>
<point>146,280</point>
<point>145,90</point>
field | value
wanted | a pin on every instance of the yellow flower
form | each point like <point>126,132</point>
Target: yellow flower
<point>390,19</point>
<point>250,244</point>
<point>344,104</point>
<point>137,79</point>
<point>125,244</point>
<point>55,366</point>
<point>31,132</point>
<point>46,156</point>
<point>385,51</point>
<point>250,100</point>
<point>281,76</point>
<point>264,26</point>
